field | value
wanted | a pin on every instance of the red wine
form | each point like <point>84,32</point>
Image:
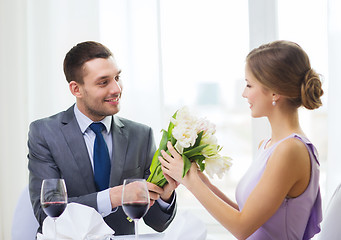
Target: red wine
<point>135,210</point>
<point>54,209</point>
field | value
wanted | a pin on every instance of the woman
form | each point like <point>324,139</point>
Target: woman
<point>279,197</point>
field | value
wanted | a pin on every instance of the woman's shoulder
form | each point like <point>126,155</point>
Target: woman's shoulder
<point>293,150</point>
<point>294,142</point>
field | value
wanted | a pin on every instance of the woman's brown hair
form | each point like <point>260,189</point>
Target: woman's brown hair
<point>284,68</point>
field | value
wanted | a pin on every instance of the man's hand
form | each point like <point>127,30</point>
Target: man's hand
<point>116,196</point>
<point>169,188</point>
<point>154,192</point>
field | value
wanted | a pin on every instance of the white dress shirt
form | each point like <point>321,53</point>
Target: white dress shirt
<point>103,197</point>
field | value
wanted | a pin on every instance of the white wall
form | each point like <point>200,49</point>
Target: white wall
<point>54,27</point>
<point>13,107</point>
<point>130,29</point>
<point>334,101</point>
<point>263,28</point>
<point>34,37</point>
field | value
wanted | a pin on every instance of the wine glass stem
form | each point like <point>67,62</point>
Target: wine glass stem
<point>55,228</point>
<point>136,229</point>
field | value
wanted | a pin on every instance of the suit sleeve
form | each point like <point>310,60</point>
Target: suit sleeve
<point>42,165</point>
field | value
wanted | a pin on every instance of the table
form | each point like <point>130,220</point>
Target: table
<point>149,236</point>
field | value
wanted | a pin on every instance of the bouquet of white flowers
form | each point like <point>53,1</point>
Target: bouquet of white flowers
<point>195,141</point>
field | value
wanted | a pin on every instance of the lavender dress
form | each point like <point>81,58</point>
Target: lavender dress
<point>296,218</point>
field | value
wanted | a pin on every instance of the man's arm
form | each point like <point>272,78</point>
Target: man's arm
<point>42,165</point>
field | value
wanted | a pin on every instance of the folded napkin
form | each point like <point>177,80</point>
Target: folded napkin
<point>186,226</point>
<point>143,236</point>
<point>78,222</point>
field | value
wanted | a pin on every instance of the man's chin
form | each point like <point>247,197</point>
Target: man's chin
<point>114,111</point>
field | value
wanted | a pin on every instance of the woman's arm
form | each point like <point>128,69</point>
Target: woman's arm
<point>285,174</point>
<point>216,190</point>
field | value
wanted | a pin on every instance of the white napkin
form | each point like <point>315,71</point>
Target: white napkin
<point>78,222</point>
<point>186,226</point>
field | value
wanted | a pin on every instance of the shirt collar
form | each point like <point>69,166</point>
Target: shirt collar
<point>84,122</point>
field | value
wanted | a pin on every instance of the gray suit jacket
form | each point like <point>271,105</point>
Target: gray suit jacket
<point>57,150</point>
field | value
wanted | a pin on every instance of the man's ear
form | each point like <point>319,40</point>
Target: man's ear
<point>75,89</point>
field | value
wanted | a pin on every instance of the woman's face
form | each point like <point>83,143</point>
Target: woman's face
<point>259,98</point>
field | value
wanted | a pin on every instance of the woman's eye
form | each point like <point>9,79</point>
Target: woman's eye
<point>103,83</point>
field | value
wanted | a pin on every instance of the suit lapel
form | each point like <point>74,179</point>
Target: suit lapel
<point>76,143</point>
<point>120,144</point>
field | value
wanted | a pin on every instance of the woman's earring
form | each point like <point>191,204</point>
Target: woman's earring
<point>273,103</point>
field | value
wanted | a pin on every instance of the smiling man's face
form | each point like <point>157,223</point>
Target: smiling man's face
<point>100,93</point>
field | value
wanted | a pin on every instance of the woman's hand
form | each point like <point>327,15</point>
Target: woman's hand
<point>173,165</point>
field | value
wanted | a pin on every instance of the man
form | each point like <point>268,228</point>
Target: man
<point>64,145</point>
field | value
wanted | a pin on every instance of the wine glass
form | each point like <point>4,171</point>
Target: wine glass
<point>135,200</point>
<point>53,198</point>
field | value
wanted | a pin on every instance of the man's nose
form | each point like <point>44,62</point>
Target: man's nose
<point>116,87</point>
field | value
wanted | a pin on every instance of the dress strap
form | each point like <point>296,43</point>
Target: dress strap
<point>310,146</point>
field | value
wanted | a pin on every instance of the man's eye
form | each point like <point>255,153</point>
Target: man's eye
<point>103,83</point>
<point>117,78</point>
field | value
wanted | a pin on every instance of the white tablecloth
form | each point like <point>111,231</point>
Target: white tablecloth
<point>150,236</point>
<point>185,226</point>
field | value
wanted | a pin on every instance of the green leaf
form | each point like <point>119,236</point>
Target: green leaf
<point>194,151</point>
<point>201,165</point>
<point>164,140</point>
<point>197,158</point>
<point>156,176</point>
<point>187,165</point>
<point>162,182</point>
<point>171,126</point>
<point>162,146</point>
<point>219,148</point>
<point>155,162</point>
<point>173,140</point>
<point>198,140</point>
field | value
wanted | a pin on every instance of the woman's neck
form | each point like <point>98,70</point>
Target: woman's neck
<point>284,123</point>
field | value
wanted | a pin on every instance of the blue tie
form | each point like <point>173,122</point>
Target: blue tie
<point>101,158</point>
